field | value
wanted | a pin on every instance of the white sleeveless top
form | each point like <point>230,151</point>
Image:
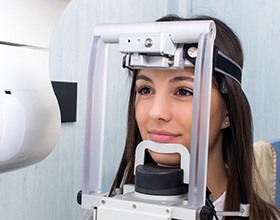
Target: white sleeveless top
<point>219,204</point>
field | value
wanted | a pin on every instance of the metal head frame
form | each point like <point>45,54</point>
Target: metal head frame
<point>152,45</point>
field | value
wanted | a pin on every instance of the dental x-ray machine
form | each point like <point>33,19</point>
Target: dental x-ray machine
<point>163,45</point>
<point>29,112</point>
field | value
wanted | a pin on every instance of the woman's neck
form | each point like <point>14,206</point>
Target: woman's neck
<point>217,178</point>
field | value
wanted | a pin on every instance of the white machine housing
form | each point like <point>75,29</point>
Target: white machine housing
<point>29,111</point>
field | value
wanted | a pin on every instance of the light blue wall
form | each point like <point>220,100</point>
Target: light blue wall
<point>48,190</point>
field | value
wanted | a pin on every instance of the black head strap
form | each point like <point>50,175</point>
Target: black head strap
<point>221,63</point>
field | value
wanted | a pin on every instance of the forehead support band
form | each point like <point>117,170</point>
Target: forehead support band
<point>221,62</point>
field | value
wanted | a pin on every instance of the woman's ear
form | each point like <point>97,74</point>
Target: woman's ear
<point>226,123</point>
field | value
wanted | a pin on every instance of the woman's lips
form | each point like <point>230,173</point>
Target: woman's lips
<point>162,136</point>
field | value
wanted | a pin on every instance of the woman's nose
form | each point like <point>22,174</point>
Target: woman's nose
<point>160,108</point>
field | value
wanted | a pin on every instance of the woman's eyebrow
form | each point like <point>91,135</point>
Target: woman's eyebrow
<point>182,78</point>
<point>143,77</point>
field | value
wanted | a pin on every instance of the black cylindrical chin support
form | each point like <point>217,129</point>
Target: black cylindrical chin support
<point>152,179</point>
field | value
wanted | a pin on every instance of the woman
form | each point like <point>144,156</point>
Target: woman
<point>160,109</point>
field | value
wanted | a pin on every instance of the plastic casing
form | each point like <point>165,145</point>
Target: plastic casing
<point>29,112</point>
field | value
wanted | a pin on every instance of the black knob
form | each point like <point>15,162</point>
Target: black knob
<point>206,213</point>
<point>79,197</point>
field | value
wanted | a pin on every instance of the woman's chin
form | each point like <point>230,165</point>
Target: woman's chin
<point>169,160</point>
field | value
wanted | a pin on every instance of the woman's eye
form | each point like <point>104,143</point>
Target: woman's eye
<point>184,92</point>
<point>144,91</point>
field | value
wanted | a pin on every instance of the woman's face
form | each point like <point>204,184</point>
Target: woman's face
<point>163,109</point>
